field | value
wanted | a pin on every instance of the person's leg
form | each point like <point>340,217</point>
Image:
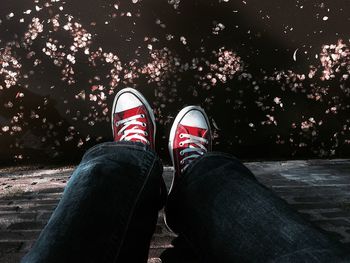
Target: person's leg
<point>219,207</point>
<point>114,190</point>
<point>109,208</point>
<point>228,216</point>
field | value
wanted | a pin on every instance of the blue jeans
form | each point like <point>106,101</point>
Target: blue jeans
<point>109,211</point>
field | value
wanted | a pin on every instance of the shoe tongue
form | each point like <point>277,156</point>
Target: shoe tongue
<point>130,112</point>
<point>196,131</point>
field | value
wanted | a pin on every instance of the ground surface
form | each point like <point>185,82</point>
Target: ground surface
<point>320,189</point>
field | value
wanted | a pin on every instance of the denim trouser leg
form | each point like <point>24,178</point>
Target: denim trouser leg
<point>228,216</point>
<point>109,208</point>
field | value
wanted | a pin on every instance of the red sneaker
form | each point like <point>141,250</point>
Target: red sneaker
<point>190,138</point>
<point>133,118</point>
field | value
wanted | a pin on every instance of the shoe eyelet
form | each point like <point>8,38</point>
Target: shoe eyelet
<point>144,124</point>
<point>181,135</point>
<point>142,115</point>
<point>181,153</point>
<point>181,144</point>
<point>181,162</point>
<point>146,133</point>
<point>117,124</point>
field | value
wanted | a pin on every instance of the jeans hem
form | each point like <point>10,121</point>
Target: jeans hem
<point>127,144</point>
<point>197,161</point>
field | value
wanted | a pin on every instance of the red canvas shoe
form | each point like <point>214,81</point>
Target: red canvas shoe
<point>190,138</point>
<point>133,118</point>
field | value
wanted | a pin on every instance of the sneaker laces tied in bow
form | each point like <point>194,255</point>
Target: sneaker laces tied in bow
<point>134,132</point>
<point>196,151</point>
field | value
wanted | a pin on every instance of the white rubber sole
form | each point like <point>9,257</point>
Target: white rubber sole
<point>144,102</point>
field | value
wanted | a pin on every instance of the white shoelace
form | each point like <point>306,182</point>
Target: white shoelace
<point>195,151</point>
<point>137,133</point>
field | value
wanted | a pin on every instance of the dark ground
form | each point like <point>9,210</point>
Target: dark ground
<point>270,74</point>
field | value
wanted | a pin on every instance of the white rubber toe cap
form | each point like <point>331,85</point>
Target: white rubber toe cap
<point>194,118</point>
<point>127,101</point>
